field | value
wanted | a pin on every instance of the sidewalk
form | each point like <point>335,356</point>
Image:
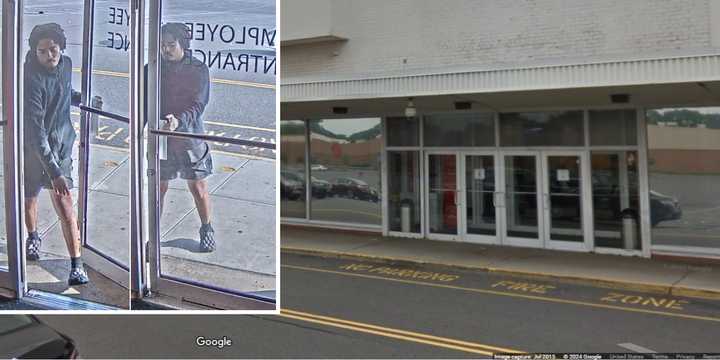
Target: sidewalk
<point>242,192</point>
<point>662,276</point>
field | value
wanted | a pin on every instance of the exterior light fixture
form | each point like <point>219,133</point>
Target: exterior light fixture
<point>410,110</point>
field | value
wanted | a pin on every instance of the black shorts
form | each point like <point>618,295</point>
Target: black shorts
<point>37,179</point>
<point>195,164</point>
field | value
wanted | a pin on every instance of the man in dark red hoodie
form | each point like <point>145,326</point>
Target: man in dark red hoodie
<point>184,93</point>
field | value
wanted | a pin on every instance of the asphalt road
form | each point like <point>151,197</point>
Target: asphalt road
<point>345,308</point>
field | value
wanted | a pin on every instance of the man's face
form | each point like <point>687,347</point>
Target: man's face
<point>171,49</point>
<point>48,53</point>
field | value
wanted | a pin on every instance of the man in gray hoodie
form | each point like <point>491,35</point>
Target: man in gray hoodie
<point>48,140</point>
<point>184,93</point>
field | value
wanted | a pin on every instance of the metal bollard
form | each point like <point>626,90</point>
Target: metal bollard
<point>96,102</point>
<point>629,229</point>
<point>405,217</point>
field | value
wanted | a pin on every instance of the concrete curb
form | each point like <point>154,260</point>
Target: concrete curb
<point>705,294</point>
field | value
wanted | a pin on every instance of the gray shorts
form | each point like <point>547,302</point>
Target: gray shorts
<point>194,164</point>
<point>37,179</point>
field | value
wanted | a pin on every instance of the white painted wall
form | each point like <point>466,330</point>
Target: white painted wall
<point>421,36</point>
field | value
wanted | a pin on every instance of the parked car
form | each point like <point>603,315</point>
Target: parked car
<point>663,208</point>
<point>354,189</point>
<point>23,336</point>
<point>292,185</point>
<point>320,188</point>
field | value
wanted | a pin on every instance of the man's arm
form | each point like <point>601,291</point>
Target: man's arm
<point>200,91</point>
<point>37,139</point>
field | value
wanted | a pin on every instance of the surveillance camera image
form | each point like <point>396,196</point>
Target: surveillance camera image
<point>140,163</point>
<point>347,179</point>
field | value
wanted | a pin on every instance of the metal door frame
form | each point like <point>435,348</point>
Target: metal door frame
<point>426,195</point>
<point>498,197</point>
<point>13,281</point>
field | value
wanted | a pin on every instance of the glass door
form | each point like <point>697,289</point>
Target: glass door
<point>523,212</point>
<point>211,157</point>
<point>563,200</point>
<point>104,141</point>
<point>442,195</point>
<point>481,198</point>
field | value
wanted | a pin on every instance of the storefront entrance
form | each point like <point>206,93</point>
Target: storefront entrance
<point>520,198</point>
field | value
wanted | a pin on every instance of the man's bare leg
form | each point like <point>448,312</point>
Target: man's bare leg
<point>31,206</point>
<point>201,195</point>
<point>68,220</point>
<point>164,184</point>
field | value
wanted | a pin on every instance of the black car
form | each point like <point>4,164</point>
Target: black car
<point>23,336</point>
<point>292,186</point>
<point>354,189</point>
<point>320,188</point>
<point>663,208</point>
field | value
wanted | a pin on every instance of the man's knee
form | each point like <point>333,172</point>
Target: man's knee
<point>198,188</point>
<point>31,202</point>
<point>64,203</point>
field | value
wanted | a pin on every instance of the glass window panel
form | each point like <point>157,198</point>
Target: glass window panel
<point>615,192</point>
<point>222,85</point>
<point>345,170</point>
<point>404,191</point>
<point>565,198</point>
<point>559,128</point>
<point>459,129</point>
<point>442,194</point>
<point>521,196</point>
<point>292,163</point>
<point>613,127</point>
<point>479,194</point>
<point>108,228</point>
<point>402,131</point>
<point>684,169</point>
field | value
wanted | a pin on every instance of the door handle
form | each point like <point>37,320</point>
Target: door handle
<point>546,201</point>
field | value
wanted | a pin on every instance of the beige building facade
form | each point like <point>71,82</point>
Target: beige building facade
<point>568,125</point>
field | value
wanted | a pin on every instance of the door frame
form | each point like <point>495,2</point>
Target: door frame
<point>13,282</point>
<point>498,199</point>
<point>426,195</point>
<point>95,258</point>
<point>585,202</point>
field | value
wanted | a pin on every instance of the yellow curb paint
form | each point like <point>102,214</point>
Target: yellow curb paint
<point>604,283</point>
<point>502,293</point>
<point>695,293</point>
<point>397,333</point>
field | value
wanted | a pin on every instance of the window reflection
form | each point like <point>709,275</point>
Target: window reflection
<point>615,193</point>
<point>560,128</point>
<point>684,168</point>
<point>460,130</point>
<point>404,191</point>
<point>345,170</point>
<point>292,175</point>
